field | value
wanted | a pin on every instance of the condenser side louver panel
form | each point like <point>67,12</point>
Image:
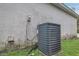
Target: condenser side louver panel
<point>49,38</point>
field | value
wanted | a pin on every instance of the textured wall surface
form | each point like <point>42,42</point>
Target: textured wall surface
<point>13,19</point>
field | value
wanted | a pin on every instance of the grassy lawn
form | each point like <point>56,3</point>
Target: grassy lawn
<point>68,48</point>
<point>24,52</point>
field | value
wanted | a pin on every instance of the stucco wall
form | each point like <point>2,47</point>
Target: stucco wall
<point>13,19</point>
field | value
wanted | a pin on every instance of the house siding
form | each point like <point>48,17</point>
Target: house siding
<point>13,20</point>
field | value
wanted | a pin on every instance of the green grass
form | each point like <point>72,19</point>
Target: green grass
<point>68,48</point>
<point>16,53</point>
<point>23,53</point>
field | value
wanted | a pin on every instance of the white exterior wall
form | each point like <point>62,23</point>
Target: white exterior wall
<point>13,20</point>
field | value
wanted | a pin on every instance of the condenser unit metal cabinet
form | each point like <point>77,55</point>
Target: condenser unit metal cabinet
<point>49,38</point>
